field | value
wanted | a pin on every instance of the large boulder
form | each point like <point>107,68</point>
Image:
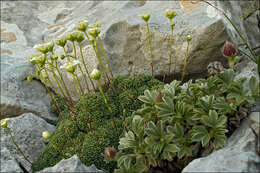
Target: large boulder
<point>17,94</point>
<point>238,156</point>
<point>124,32</point>
<point>72,164</point>
<point>27,132</point>
<point>8,162</point>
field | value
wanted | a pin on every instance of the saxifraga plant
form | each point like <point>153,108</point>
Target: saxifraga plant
<point>175,120</point>
<point>75,137</point>
<point>251,54</point>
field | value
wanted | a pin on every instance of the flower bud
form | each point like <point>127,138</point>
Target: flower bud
<point>70,37</point>
<point>94,32</point>
<point>79,37</point>
<point>146,17</point>
<point>46,135</point>
<point>70,66</point>
<point>62,57</point>
<point>229,49</point>
<point>82,26</point>
<point>41,48</point>
<point>42,59</point>
<point>170,14</point>
<point>4,123</point>
<point>188,38</point>
<point>34,59</point>
<point>54,58</point>
<point>95,74</point>
<point>61,42</point>
<point>50,46</point>
<point>29,78</point>
<point>110,152</point>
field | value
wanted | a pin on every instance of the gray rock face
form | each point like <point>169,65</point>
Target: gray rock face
<point>72,164</point>
<point>27,131</point>
<point>19,96</point>
<point>124,33</point>
<point>8,162</point>
<point>238,156</point>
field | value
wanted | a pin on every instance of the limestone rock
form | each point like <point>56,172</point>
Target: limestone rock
<point>27,131</point>
<point>8,163</point>
<point>72,164</point>
<point>238,156</point>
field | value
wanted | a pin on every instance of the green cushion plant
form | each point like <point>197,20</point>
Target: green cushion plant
<point>73,136</point>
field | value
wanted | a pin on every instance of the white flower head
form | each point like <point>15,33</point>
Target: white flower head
<point>4,123</point>
<point>95,74</point>
<point>70,66</point>
<point>46,134</point>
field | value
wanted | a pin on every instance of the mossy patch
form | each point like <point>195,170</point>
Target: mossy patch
<point>73,136</point>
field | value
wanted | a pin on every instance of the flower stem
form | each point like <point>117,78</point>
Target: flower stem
<point>100,62</point>
<point>17,146</point>
<point>106,57</point>
<point>185,63</point>
<point>171,51</point>
<point>150,45</point>
<point>85,66</point>
<point>105,100</point>
<point>84,76</point>
<point>50,93</point>
<point>82,99</point>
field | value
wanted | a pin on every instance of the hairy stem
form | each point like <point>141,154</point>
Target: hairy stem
<point>185,63</point>
<point>171,51</point>
<point>150,45</point>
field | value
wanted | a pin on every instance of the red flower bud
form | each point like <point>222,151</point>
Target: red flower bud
<point>229,49</point>
<point>110,152</point>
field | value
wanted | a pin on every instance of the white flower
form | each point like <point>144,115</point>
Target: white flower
<point>4,123</point>
<point>70,66</point>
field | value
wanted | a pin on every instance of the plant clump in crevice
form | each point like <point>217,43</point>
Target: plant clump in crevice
<point>73,135</point>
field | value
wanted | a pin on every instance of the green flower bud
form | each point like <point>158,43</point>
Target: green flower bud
<point>45,47</point>
<point>34,59</point>
<point>170,14</point>
<point>46,135</point>
<point>62,57</point>
<point>79,37</point>
<point>29,78</point>
<point>146,17</point>
<point>4,123</point>
<point>70,37</point>
<point>61,42</point>
<point>54,58</point>
<point>188,38</point>
<point>95,74</point>
<point>42,60</point>
<point>82,26</point>
<point>50,46</point>
<point>94,32</point>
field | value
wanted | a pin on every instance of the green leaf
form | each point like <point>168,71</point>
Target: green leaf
<point>125,161</point>
<point>165,108</point>
<point>169,152</point>
<point>228,76</point>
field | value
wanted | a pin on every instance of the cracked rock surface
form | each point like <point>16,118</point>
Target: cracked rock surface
<point>27,131</point>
